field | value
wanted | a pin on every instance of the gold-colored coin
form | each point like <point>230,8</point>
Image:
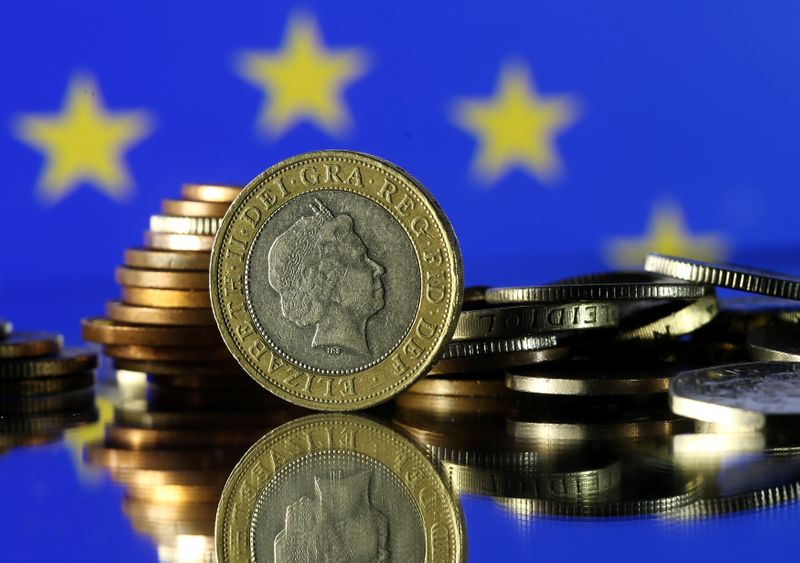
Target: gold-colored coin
<point>155,438</point>
<point>44,385</point>
<point>452,386</point>
<point>171,298</point>
<point>167,353</point>
<point>69,360</point>
<point>136,314</point>
<point>405,508</point>
<point>106,331</point>
<point>30,345</point>
<point>138,414</point>
<point>189,208</point>
<point>160,477</point>
<point>160,279</point>
<point>357,249</point>
<point>171,241</point>
<point>449,405</point>
<point>176,494</point>
<point>184,225</point>
<point>177,459</point>
<point>210,192</point>
<point>180,260</point>
<point>220,369</point>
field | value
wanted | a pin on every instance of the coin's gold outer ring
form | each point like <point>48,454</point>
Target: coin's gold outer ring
<point>266,363</point>
<point>438,506</point>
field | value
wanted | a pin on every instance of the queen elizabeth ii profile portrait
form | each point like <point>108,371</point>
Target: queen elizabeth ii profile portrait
<point>321,270</point>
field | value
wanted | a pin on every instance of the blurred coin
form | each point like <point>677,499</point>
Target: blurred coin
<point>741,395</point>
<point>43,385</point>
<point>6,328</point>
<point>184,225</point>
<point>167,259</point>
<point>344,270</point>
<point>167,353</point>
<point>739,315</point>
<point>168,298</point>
<point>77,400</point>
<point>161,477</point>
<point>235,381</point>
<point>627,286</point>
<point>774,343</point>
<point>138,414</point>
<point>106,331</point>
<point>725,275</point>
<point>590,377</point>
<point>669,320</point>
<point>67,361</point>
<point>222,369</point>
<point>170,241</point>
<point>178,459</point>
<point>405,508</point>
<point>495,322</point>
<point>137,314</point>
<point>474,297</point>
<point>155,438</point>
<point>188,208</point>
<point>161,396</point>
<point>176,494</point>
<point>47,422</point>
<point>454,386</point>
<point>450,405</point>
<point>30,345</point>
<point>158,278</point>
<point>210,192</point>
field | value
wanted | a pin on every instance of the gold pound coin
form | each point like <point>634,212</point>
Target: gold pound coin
<point>336,280</point>
<point>398,505</point>
<point>136,314</point>
<point>132,277</point>
<point>106,331</point>
<point>30,345</point>
<point>167,259</point>
<point>210,192</point>
<point>170,298</point>
<point>171,241</point>
<point>182,207</point>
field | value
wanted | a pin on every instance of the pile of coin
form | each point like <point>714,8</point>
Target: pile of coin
<point>44,387</point>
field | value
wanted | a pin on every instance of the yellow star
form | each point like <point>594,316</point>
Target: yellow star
<point>84,142</point>
<point>302,80</point>
<point>666,234</point>
<point>516,127</point>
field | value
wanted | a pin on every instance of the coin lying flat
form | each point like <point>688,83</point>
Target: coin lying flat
<point>351,474</point>
<point>182,207</point>
<point>774,343</point>
<point>184,225</point>
<point>6,328</point>
<point>495,322</point>
<point>44,385</point>
<point>167,259</point>
<point>210,192</point>
<point>590,377</point>
<point>139,414</point>
<point>106,331</point>
<point>336,280</point>
<point>68,360</point>
<point>725,275</point>
<point>30,345</point>
<point>743,395</point>
<point>154,367</point>
<point>172,298</point>
<point>134,277</point>
<point>497,353</point>
<point>137,314</point>
<point>76,400</point>
<point>455,387</point>
<point>167,353</point>
<point>171,241</point>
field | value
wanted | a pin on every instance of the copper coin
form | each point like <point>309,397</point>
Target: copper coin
<point>220,369</point>
<point>106,331</point>
<point>120,458</point>
<point>30,345</point>
<point>158,438</point>
<point>210,192</point>
<point>171,241</point>
<point>135,314</point>
<point>67,361</point>
<point>459,387</point>
<point>172,298</point>
<point>44,385</point>
<point>180,260</point>
<point>158,278</point>
<point>176,494</point>
<point>167,353</point>
<point>193,208</point>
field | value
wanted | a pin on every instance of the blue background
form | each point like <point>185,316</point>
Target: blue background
<point>690,102</point>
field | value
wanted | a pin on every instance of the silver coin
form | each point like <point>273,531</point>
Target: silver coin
<point>774,343</point>
<point>738,394</point>
<point>332,281</point>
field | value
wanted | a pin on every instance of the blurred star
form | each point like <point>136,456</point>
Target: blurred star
<point>302,81</point>
<point>666,234</point>
<point>83,142</point>
<point>516,127</point>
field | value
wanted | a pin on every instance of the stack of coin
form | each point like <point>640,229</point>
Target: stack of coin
<point>173,450</point>
<point>162,324</point>
<point>44,387</point>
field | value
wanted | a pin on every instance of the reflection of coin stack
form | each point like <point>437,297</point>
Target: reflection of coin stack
<point>173,452</point>
<point>163,325</point>
<point>44,387</point>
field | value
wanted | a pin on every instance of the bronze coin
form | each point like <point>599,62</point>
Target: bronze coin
<point>167,353</point>
<point>193,208</point>
<point>137,314</point>
<point>180,260</point>
<point>133,277</point>
<point>210,192</point>
<point>106,331</point>
<point>30,345</point>
<point>171,298</point>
